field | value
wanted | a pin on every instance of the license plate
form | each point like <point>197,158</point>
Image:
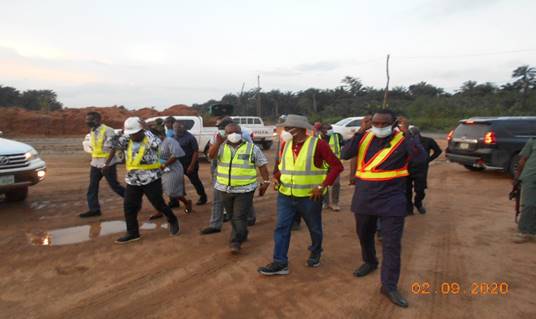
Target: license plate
<point>464,146</point>
<point>7,180</point>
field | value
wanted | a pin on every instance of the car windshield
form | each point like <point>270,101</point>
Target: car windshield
<point>342,122</point>
<point>471,130</point>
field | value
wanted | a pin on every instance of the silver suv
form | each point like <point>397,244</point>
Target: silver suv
<point>20,167</point>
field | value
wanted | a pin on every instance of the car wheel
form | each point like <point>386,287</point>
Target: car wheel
<point>514,163</point>
<point>17,195</point>
<point>473,168</point>
<point>266,145</point>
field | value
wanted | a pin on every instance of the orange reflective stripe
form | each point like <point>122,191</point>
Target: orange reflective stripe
<point>369,170</point>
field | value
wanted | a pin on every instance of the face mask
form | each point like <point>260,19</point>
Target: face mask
<point>234,138</point>
<point>286,136</point>
<point>381,132</point>
<point>330,132</point>
<point>170,133</point>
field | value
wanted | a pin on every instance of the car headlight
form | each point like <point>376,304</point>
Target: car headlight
<point>31,155</point>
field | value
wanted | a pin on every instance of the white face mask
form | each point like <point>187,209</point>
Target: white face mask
<point>381,132</point>
<point>234,138</point>
<point>286,136</point>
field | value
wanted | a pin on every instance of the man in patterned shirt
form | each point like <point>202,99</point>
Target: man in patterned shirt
<point>143,176</point>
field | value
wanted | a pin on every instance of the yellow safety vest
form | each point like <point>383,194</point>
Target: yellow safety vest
<point>299,176</point>
<point>369,171</point>
<point>237,170</point>
<point>134,162</point>
<point>97,144</point>
<point>335,144</point>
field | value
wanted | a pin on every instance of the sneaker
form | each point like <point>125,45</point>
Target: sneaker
<point>521,238</point>
<point>209,230</point>
<point>336,208</point>
<point>90,214</point>
<point>156,216</point>
<point>127,239</point>
<point>273,269</point>
<point>313,260</point>
<point>174,228</point>
<point>324,206</point>
<point>235,248</point>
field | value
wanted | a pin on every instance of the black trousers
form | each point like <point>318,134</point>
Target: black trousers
<point>196,181</point>
<point>133,201</point>
<point>238,205</point>
<point>392,229</point>
<point>416,184</point>
<point>95,176</point>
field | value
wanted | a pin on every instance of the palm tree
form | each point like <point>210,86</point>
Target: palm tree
<point>526,78</point>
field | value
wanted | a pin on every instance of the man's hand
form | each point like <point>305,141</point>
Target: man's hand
<point>366,123</point>
<point>190,169</point>
<point>276,183</point>
<point>317,193</point>
<point>263,188</point>
<point>219,139</point>
<point>351,181</point>
<point>403,124</point>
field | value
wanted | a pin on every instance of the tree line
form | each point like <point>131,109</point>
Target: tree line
<point>35,100</point>
<point>428,106</point>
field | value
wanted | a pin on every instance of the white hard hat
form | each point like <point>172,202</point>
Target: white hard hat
<point>132,125</point>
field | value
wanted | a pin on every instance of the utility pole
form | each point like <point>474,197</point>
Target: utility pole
<point>240,110</point>
<point>385,95</point>
<point>259,107</point>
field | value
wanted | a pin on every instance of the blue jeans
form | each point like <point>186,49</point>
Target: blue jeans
<point>287,208</point>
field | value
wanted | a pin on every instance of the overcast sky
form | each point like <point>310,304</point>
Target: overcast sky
<point>165,52</point>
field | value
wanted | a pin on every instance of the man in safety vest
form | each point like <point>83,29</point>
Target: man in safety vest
<point>306,168</point>
<point>382,155</point>
<point>142,161</point>
<point>236,178</point>
<point>100,145</point>
<point>331,199</point>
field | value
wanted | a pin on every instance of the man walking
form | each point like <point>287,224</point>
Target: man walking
<point>380,193</point>
<point>302,177</point>
<point>526,176</point>
<point>331,199</point>
<point>190,160</point>
<point>418,172</point>
<point>236,178</point>
<point>101,145</point>
<point>142,161</point>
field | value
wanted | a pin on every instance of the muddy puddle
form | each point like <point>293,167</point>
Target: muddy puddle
<point>80,234</point>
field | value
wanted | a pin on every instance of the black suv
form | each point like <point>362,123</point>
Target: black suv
<point>490,142</point>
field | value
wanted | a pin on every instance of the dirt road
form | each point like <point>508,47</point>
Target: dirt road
<point>464,240</point>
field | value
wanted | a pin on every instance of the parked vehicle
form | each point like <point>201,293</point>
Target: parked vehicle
<point>20,167</point>
<point>347,127</point>
<point>194,124</point>
<point>490,142</point>
<point>261,134</point>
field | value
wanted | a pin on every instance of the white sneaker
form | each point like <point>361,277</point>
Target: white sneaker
<point>336,208</point>
<point>521,238</point>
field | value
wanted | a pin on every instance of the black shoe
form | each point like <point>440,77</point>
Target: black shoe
<point>395,297</point>
<point>127,239</point>
<point>226,217</point>
<point>273,269</point>
<point>235,248</point>
<point>421,210</point>
<point>90,214</point>
<point>252,222</point>
<point>313,260</point>
<point>410,212</point>
<point>295,226</point>
<point>174,203</point>
<point>209,230</point>
<point>364,270</point>
<point>202,200</point>
<point>174,228</point>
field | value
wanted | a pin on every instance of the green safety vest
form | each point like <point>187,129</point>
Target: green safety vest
<point>97,144</point>
<point>237,170</point>
<point>335,144</point>
<point>133,162</point>
<point>299,176</point>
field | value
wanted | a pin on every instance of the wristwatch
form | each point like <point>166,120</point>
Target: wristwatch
<point>266,182</point>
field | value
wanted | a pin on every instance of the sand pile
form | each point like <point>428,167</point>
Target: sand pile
<point>70,121</point>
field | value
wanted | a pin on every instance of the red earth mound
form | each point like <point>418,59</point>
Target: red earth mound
<point>71,121</point>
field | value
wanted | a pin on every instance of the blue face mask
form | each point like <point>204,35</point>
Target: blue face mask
<point>170,133</point>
